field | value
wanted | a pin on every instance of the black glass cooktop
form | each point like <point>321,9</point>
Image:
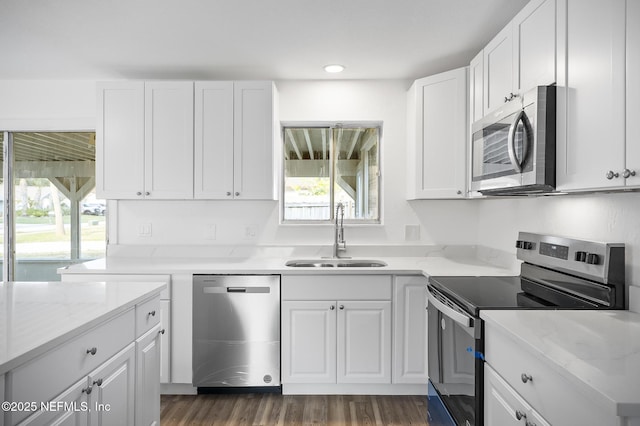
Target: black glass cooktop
<point>477,293</point>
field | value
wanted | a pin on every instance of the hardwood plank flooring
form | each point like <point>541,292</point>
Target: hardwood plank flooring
<point>286,410</point>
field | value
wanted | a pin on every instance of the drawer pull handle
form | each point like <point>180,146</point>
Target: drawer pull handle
<point>161,331</point>
<point>92,351</point>
<point>87,390</point>
<point>98,382</point>
<point>520,415</point>
<point>341,307</point>
<point>526,377</point>
<point>332,307</point>
<point>151,314</point>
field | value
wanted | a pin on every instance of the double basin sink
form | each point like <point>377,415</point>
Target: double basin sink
<point>335,263</point>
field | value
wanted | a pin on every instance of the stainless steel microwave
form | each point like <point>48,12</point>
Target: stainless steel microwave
<point>513,150</point>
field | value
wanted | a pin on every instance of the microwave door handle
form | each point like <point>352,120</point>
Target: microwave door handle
<point>511,143</point>
<point>458,317</point>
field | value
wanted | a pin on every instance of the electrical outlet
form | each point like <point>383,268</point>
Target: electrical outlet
<point>144,230</point>
<point>250,232</point>
<point>210,231</point>
<point>412,232</point>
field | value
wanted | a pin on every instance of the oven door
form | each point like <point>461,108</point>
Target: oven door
<point>455,363</point>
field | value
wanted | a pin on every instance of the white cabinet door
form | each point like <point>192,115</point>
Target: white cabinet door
<point>364,342</point>
<point>438,135</point>
<point>308,342</point>
<point>165,341</point>
<point>74,396</point>
<point>113,390</point>
<point>213,165</point>
<point>591,94</point>
<point>476,84</point>
<point>120,140</point>
<point>503,406</point>
<point>168,140</point>
<point>253,120</point>
<point>147,389</point>
<point>498,69</point>
<point>410,330</point>
<point>633,91</point>
<point>534,29</point>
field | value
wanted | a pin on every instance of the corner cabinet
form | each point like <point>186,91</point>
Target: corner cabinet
<point>234,134</point>
<point>144,140</point>
<point>437,132</point>
<point>598,95</point>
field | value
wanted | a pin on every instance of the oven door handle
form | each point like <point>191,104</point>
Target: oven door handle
<point>462,319</point>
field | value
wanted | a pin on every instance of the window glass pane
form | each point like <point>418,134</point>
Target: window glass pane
<point>307,185</point>
<point>356,172</point>
<point>54,172</point>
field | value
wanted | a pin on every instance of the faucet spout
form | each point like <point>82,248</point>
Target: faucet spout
<point>339,243</point>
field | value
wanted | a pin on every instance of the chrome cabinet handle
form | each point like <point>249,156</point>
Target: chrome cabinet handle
<point>511,97</point>
<point>151,314</point>
<point>341,307</point>
<point>228,193</point>
<point>526,377</point>
<point>92,351</point>
<point>332,307</point>
<point>98,382</point>
<point>237,193</point>
<point>147,193</point>
<point>628,173</point>
<point>138,193</point>
<point>520,415</point>
<point>161,331</point>
<point>87,390</point>
<point>610,175</point>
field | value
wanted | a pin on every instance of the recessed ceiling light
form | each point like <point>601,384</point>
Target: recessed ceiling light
<point>333,68</point>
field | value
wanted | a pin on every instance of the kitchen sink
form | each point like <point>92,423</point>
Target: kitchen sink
<point>335,263</point>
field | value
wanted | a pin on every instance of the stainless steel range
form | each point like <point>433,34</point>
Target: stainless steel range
<point>556,273</point>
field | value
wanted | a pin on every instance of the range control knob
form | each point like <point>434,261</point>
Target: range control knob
<point>525,245</point>
<point>581,256</point>
<point>593,259</point>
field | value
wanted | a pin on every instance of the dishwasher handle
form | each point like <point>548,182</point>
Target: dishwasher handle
<point>225,290</point>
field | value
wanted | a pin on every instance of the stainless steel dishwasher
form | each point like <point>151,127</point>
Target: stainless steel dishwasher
<point>236,331</point>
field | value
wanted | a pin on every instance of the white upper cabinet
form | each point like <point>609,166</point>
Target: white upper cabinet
<point>476,85</point>
<point>144,140</point>
<point>120,140</point>
<point>174,140</point>
<point>633,93</point>
<point>213,167</point>
<point>522,55</point>
<point>437,129</point>
<point>168,140</point>
<point>234,140</point>
<point>591,149</point>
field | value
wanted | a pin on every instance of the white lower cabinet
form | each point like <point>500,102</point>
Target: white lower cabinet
<point>330,335</point>
<point>503,406</point>
<point>109,375</point>
<point>410,329</point>
<point>148,354</point>
<point>336,341</point>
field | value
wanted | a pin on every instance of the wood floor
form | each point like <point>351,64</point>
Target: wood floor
<point>272,409</point>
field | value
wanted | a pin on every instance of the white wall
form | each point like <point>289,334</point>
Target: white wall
<point>601,217</point>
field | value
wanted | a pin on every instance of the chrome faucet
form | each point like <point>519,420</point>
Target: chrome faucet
<point>339,244</point>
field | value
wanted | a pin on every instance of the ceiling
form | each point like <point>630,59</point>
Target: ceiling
<point>243,39</point>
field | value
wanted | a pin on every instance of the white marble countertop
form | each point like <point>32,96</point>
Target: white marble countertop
<point>597,350</point>
<point>37,316</point>
<point>463,260</point>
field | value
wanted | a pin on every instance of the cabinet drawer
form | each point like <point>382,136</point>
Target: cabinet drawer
<point>511,359</point>
<point>147,315</point>
<point>46,376</point>
<point>336,287</point>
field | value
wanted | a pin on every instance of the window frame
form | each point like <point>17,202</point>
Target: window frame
<point>331,126</point>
